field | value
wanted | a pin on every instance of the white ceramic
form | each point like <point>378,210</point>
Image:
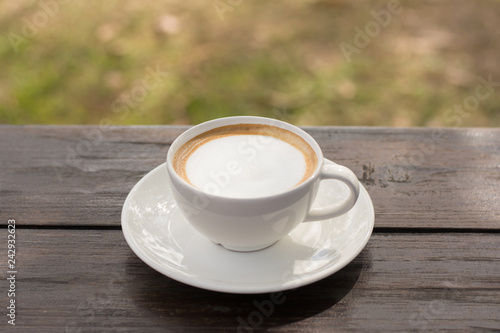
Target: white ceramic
<point>249,224</point>
<point>158,233</point>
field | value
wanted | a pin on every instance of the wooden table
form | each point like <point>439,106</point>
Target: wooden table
<point>433,262</point>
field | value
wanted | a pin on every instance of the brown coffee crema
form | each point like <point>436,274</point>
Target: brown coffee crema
<point>184,152</point>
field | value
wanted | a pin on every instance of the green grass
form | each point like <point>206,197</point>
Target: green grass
<point>265,58</point>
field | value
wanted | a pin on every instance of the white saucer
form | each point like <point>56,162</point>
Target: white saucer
<point>157,232</point>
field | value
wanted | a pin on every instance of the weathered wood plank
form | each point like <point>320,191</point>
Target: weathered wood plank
<point>424,178</point>
<point>89,280</point>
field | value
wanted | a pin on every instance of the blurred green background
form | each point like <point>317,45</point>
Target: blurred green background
<point>184,62</point>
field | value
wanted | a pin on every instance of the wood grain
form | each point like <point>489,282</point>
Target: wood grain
<point>90,280</point>
<point>417,178</point>
<point>433,263</point>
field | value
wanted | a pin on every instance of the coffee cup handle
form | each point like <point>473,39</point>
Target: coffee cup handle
<point>338,172</point>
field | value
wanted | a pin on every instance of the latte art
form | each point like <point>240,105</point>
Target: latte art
<point>245,161</point>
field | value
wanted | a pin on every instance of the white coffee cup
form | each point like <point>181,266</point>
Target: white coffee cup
<point>250,224</point>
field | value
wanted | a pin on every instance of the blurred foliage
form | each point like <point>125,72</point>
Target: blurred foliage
<point>184,62</point>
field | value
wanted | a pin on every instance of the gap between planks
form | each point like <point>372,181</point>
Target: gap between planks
<point>381,230</point>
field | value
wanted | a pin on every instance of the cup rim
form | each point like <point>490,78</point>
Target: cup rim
<point>208,125</point>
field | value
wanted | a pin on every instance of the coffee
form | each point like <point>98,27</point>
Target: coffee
<point>245,160</point>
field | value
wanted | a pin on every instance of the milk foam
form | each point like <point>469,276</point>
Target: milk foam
<point>245,166</point>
